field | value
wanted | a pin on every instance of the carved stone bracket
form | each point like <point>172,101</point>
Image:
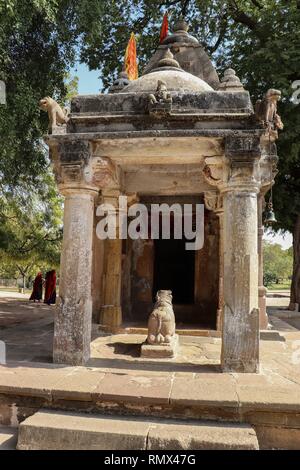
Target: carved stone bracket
<point>105,173</point>
<point>213,201</point>
<point>213,170</point>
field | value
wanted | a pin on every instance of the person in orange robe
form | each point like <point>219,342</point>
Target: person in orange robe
<point>50,287</point>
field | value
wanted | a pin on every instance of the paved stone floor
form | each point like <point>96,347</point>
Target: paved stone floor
<point>27,329</point>
<point>116,376</point>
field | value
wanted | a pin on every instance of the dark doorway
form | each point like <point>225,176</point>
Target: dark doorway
<point>174,269</point>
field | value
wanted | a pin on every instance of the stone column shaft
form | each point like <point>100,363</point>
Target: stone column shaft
<point>72,329</point>
<point>221,271</point>
<point>240,345</point>
<point>111,310</point>
<point>263,316</point>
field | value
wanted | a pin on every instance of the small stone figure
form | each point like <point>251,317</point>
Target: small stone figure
<point>57,116</point>
<point>161,101</point>
<point>161,323</point>
<point>266,110</point>
<point>162,95</point>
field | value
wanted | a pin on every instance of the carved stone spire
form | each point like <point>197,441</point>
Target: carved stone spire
<point>230,82</point>
<point>168,60</point>
<point>181,26</point>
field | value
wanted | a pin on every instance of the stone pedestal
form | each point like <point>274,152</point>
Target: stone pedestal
<point>72,327</point>
<point>240,345</point>
<point>161,351</point>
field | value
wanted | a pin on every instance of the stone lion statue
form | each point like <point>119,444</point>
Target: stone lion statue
<point>57,116</point>
<point>161,323</point>
<point>266,110</point>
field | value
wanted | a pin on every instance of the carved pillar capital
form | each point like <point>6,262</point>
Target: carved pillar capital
<point>243,152</point>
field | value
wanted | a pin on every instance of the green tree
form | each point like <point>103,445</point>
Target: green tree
<point>40,40</point>
<point>30,228</point>
<point>278,263</point>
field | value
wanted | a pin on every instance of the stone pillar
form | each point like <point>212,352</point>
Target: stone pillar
<point>220,214</point>
<point>263,316</point>
<point>240,321</point>
<point>73,317</point>
<point>240,333</point>
<point>111,311</point>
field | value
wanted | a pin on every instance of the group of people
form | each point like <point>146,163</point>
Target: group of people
<point>50,288</point>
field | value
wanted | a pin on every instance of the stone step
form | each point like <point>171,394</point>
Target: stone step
<point>8,438</point>
<point>53,430</point>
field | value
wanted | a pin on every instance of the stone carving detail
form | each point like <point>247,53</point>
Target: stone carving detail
<point>230,82</point>
<point>57,116</point>
<point>161,323</point>
<point>70,160</point>
<point>244,153</point>
<point>105,173</point>
<point>160,103</point>
<point>74,151</point>
<point>242,149</point>
<point>208,176</point>
<point>213,201</point>
<point>266,110</point>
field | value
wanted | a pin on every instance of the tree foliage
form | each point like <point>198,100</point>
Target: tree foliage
<point>278,263</point>
<point>41,39</point>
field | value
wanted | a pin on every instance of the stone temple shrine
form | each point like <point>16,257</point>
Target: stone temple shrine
<point>178,134</point>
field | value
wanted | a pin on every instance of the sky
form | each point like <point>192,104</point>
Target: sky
<point>90,83</point>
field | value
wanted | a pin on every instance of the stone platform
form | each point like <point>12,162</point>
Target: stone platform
<point>118,381</point>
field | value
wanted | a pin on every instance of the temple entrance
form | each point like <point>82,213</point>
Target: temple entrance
<point>174,269</point>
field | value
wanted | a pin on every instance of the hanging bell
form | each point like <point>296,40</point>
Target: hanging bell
<point>269,218</point>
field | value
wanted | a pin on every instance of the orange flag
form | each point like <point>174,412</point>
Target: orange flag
<point>164,28</point>
<point>131,66</point>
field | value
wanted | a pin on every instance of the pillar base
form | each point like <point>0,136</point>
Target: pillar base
<point>251,367</point>
<point>72,345</point>
<point>111,316</point>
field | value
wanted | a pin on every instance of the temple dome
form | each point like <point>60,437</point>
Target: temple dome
<point>175,80</point>
<point>169,71</point>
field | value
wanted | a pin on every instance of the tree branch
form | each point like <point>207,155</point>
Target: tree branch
<point>241,17</point>
<point>184,7</point>
<point>257,4</point>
